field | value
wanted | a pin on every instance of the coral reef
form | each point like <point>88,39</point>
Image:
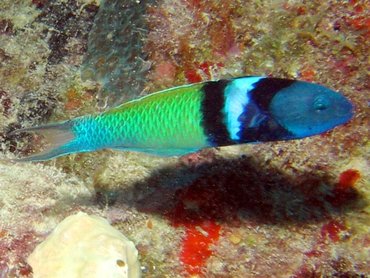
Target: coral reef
<point>33,200</point>
<point>85,246</point>
<point>68,26</point>
<point>297,209</point>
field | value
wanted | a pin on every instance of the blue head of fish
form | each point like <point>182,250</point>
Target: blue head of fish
<point>306,109</point>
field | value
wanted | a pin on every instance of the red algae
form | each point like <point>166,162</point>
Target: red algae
<point>330,233</point>
<point>332,230</point>
<point>308,74</point>
<point>74,100</point>
<point>220,30</point>
<point>195,247</point>
<point>348,178</point>
<point>202,71</point>
<point>203,39</point>
<point>343,191</point>
<point>359,20</point>
<point>196,212</point>
<point>192,76</point>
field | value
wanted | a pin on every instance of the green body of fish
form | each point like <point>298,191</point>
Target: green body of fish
<point>164,123</point>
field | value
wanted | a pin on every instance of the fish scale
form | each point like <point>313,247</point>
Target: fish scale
<point>156,122</point>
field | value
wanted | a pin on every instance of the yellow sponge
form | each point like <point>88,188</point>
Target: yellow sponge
<point>85,246</point>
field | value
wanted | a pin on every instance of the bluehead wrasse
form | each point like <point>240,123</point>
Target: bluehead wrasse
<point>185,119</point>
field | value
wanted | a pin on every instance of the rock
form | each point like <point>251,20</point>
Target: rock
<point>85,246</point>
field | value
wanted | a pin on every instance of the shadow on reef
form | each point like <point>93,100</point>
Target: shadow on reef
<point>235,190</point>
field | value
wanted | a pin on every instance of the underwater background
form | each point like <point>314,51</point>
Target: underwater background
<point>282,209</point>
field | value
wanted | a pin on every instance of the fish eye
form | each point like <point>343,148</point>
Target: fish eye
<point>320,103</point>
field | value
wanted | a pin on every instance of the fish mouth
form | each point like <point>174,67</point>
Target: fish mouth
<point>345,110</point>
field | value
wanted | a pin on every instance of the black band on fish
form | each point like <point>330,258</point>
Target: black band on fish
<point>213,116</point>
<point>262,127</point>
<point>265,90</point>
<point>268,130</point>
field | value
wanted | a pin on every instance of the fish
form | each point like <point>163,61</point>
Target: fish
<point>188,118</point>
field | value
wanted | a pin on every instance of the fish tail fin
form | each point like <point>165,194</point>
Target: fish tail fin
<point>59,137</point>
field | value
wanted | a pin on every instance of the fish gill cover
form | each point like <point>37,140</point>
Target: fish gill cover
<point>115,56</point>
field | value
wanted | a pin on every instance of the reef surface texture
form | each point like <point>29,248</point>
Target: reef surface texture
<point>283,209</point>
